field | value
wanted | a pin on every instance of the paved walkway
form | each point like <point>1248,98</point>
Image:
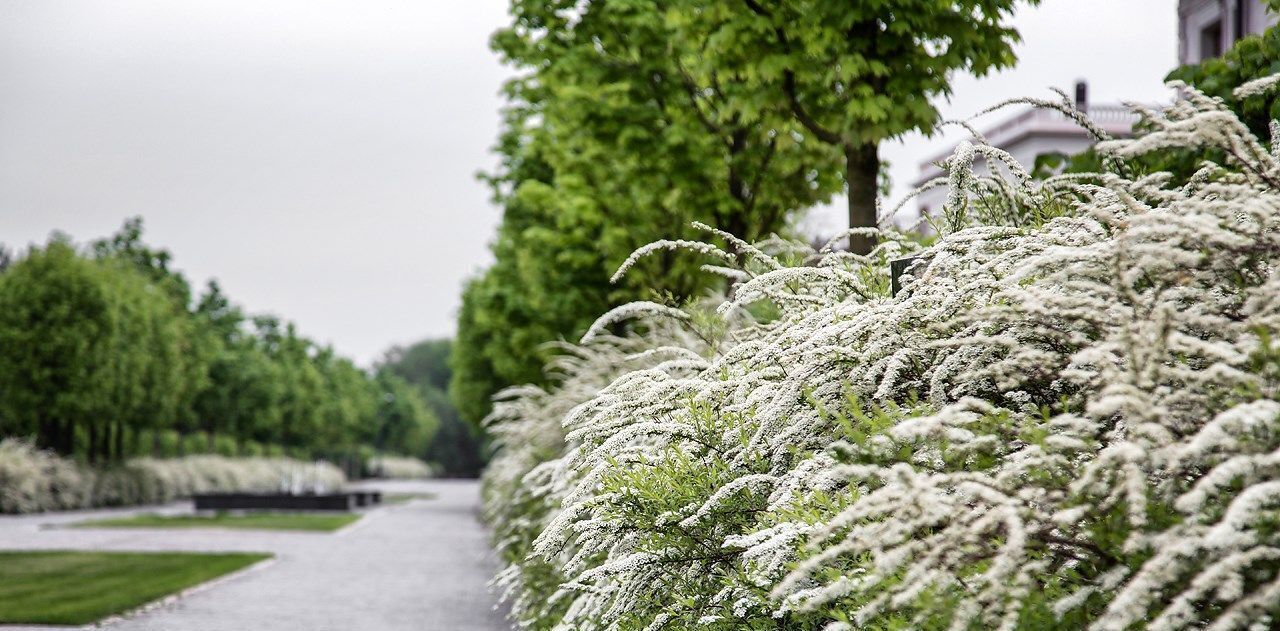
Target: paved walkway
<point>419,566</point>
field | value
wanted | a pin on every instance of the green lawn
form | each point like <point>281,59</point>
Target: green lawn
<point>62,587</point>
<point>403,498</point>
<point>255,521</point>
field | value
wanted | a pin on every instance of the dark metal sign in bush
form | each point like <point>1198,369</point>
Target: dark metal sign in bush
<point>896,268</point>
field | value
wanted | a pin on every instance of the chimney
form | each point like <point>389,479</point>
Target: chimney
<point>1082,95</point>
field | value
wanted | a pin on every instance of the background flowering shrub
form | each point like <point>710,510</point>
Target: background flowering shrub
<point>33,480</point>
<point>400,467</point>
<point>1067,417</point>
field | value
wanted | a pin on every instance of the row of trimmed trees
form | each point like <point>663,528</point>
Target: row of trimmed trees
<point>105,354</point>
<point>630,120</point>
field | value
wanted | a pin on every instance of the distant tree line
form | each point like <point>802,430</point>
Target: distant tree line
<point>106,354</point>
<point>457,447</point>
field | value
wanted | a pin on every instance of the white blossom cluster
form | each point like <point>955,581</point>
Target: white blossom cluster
<point>526,423</point>
<point>1068,417</point>
<point>33,480</point>
<point>401,468</point>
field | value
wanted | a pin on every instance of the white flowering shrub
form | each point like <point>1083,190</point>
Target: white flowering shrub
<point>400,467</point>
<point>33,480</point>
<point>1069,417</point>
<point>520,489</point>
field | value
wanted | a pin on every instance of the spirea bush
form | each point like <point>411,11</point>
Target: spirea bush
<point>33,480</point>
<point>1069,417</point>
<point>400,467</point>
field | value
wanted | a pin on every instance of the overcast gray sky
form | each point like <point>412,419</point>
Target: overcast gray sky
<point>317,156</point>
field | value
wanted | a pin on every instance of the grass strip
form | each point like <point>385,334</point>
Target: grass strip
<point>251,521</point>
<point>404,498</point>
<point>75,588</point>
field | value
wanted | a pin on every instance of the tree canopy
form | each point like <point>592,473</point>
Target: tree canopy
<point>631,120</point>
<point>104,354</point>
<point>850,74</point>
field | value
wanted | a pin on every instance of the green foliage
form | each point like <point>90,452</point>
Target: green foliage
<point>54,304</point>
<point>105,355</point>
<point>403,418</point>
<point>610,143</point>
<point>192,444</point>
<point>127,246</point>
<point>1252,57</point>
<point>456,446</point>
<point>86,344</point>
<point>1067,418</point>
<point>77,588</point>
<point>165,443</point>
<point>850,75</point>
<point>633,119</point>
<point>248,521</point>
<point>424,364</point>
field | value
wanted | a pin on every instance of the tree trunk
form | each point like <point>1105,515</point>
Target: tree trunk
<point>104,442</point>
<point>862,173</point>
<point>68,439</point>
<point>95,446</point>
<point>45,434</point>
<point>117,442</point>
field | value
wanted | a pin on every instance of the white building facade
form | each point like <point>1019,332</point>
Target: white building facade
<point>1206,28</point>
<point>1028,134</point>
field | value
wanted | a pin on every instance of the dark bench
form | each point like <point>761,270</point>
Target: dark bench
<point>898,267</point>
<point>276,501</point>
<point>367,498</point>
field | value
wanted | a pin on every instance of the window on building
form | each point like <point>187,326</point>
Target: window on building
<point>1211,40</point>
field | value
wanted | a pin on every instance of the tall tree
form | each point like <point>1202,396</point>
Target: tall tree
<point>243,397</point>
<point>127,245</point>
<point>155,373</point>
<point>852,74</point>
<point>610,144</point>
<point>88,349</point>
<point>197,350</point>
<point>404,424</point>
<point>56,330</point>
